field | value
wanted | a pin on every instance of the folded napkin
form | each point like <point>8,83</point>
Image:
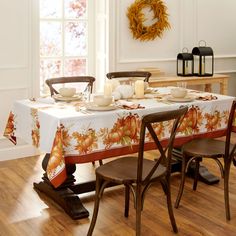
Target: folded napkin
<point>128,105</point>
<point>207,98</point>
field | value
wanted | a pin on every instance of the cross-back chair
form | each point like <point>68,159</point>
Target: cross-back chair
<point>215,149</point>
<point>130,74</point>
<point>88,80</point>
<point>138,173</point>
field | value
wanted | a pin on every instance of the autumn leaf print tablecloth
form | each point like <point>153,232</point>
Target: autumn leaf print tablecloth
<point>71,136</point>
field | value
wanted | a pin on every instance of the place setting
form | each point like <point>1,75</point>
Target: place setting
<point>101,103</point>
<point>180,94</point>
<point>67,94</point>
<point>116,95</point>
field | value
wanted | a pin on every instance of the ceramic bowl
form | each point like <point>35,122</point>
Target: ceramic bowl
<point>101,100</point>
<point>178,92</point>
<point>67,92</point>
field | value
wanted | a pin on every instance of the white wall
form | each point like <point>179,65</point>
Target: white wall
<point>190,20</point>
<point>16,68</point>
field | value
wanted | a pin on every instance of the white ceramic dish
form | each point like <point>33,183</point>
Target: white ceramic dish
<point>101,100</point>
<point>67,92</point>
<point>179,92</point>
<point>58,97</point>
<point>93,107</point>
<point>188,98</point>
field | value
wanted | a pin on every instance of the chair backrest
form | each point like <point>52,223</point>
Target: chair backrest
<point>129,74</point>
<point>89,80</point>
<point>174,117</point>
<point>232,116</point>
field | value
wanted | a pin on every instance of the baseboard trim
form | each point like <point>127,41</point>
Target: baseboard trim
<point>9,151</point>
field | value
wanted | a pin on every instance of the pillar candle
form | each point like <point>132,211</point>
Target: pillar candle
<point>107,89</point>
<point>139,88</point>
<point>186,68</point>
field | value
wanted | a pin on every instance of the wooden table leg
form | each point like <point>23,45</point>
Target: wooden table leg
<point>64,195</point>
<point>224,87</point>
<point>208,88</point>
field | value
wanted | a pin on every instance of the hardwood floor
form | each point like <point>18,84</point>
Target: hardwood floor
<point>25,212</point>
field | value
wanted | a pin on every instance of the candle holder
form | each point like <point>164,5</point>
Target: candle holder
<point>203,60</point>
<point>185,63</point>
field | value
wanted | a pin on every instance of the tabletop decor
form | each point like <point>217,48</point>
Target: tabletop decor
<point>185,63</point>
<point>137,18</point>
<point>203,60</point>
<point>69,136</point>
<point>139,88</point>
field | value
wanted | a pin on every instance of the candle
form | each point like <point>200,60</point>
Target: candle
<point>107,89</point>
<point>186,68</point>
<point>139,88</point>
<point>203,66</point>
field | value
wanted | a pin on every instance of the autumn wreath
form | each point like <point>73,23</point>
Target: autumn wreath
<point>137,18</point>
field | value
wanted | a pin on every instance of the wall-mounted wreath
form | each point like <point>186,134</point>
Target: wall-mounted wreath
<point>137,19</point>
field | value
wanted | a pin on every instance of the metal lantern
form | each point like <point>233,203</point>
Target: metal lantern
<point>203,60</point>
<point>185,63</point>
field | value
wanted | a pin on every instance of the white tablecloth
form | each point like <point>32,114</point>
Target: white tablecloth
<point>81,136</point>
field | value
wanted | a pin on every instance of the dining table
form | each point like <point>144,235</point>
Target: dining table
<point>74,131</point>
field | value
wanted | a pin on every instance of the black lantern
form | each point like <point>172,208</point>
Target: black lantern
<point>203,60</point>
<point>185,63</point>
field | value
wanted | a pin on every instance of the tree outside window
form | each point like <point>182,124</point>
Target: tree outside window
<point>63,39</point>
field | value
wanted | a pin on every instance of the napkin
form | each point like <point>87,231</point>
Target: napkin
<point>207,98</point>
<point>128,105</point>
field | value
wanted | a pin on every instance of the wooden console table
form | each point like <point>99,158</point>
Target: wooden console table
<point>193,80</point>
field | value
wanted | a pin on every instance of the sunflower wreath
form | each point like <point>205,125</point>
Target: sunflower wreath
<point>137,18</point>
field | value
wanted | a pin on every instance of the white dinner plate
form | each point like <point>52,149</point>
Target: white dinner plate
<point>93,107</point>
<point>58,97</point>
<point>188,98</point>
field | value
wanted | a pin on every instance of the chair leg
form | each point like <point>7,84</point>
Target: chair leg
<point>181,187</point>
<point>196,174</point>
<point>138,209</point>
<point>100,162</point>
<point>169,206</point>
<point>127,197</point>
<point>98,196</point>
<point>163,187</point>
<point>226,190</point>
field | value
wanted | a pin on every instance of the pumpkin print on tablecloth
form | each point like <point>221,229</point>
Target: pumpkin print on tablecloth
<point>9,131</point>
<point>86,142</point>
<point>192,121</point>
<point>125,131</point>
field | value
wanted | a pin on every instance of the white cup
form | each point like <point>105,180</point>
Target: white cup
<point>178,92</point>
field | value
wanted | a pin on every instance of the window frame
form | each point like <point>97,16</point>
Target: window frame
<point>35,44</point>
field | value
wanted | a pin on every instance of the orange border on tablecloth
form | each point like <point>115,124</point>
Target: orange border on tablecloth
<point>57,180</point>
<point>120,151</point>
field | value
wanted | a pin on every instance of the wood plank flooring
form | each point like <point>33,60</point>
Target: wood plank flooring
<point>25,212</point>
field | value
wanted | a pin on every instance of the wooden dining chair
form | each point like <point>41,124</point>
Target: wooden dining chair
<point>129,74</point>
<point>138,173</point>
<point>87,80</point>
<point>215,149</point>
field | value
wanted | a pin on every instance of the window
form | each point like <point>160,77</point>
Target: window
<point>64,29</point>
